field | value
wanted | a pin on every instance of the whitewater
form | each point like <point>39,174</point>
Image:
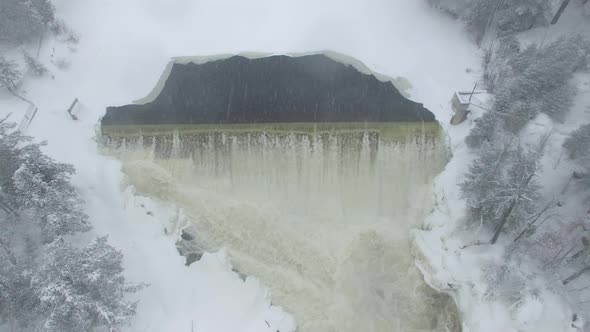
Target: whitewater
<point>322,218</point>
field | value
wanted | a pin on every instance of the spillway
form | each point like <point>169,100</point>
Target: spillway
<point>320,212</point>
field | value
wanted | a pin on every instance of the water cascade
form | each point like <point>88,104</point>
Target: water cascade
<point>320,212</point>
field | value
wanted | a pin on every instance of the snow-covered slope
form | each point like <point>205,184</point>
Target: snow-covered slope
<point>124,47</point>
<point>457,261</point>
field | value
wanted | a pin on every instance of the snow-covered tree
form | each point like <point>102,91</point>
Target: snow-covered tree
<point>519,194</point>
<point>483,131</point>
<point>39,186</point>
<point>36,68</point>
<point>578,143</point>
<point>46,284</point>
<point>478,16</point>
<point>520,15</point>
<point>483,178</point>
<point>499,62</point>
<point>557,101</point>
<point>80,289</point>
<point>500,187</point>
<point>23,20</point>
<point>519,60</point>
<point>545,81</point>
<point>9,73</point>
<point>11,144</point>
<point>17,301</point>
<point>505,18</point>
<point>580,261</point>
<point>42,186</point>
<point>536,80</point>
<point>577,146</point>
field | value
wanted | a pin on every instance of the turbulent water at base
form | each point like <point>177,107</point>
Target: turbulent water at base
<point>322,218</point>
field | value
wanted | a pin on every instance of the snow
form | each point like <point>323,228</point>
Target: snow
<point>124,47</point>
<point>458,266</point>
<point>575,19</point>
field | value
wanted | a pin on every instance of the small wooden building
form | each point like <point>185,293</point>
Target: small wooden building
<point>460,107</point>
<point>460,104</point>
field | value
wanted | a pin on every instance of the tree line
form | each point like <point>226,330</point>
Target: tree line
<point>47,281</point>
<point>26,23</point>
<point>503,186</point>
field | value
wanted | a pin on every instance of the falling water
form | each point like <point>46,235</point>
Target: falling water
<point>321,213</point>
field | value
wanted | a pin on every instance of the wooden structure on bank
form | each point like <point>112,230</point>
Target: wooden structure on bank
<point>460,107</point>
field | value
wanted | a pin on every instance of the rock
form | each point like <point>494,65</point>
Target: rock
<point>241,275</point>
<point>193,257</point>
<point>311,88</point>
<point>189,247</point>
<point>186,235</point>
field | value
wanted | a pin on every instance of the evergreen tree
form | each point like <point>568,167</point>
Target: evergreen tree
<point>45,283</point>
<point>520,15</point>
<point>580,261</point>
<point>519,193</point>
<point>43,186</point>
<point>500,186</point>
<point>578,147</point>
<point>497,66</point>
<point>9,73</point>
<point>521,60</point>
<point>23,20</point>
<point>80,289</point>
<point>12,142</point>
<point>17,301</point>
<point>478,15</point>
<point>483,131</point>
<point>36,68</point>
<point>539,82</point>
<point>557,101</point>
<point>578,143</point>
<point>505,17</point>
<point>40,186</point>
<point>483,178</point>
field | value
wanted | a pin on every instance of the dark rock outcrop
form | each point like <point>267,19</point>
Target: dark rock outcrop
<point>312,88</point>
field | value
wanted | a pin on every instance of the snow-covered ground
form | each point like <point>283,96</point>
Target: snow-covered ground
<point>454,262</point>
<point>124,47</point>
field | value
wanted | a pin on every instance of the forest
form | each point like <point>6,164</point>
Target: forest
<point>506,187</point>
<point>48,280</point>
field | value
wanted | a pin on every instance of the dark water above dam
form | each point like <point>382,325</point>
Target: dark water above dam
<point>274,89</point>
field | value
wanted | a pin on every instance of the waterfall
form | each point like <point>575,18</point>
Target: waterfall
<point>321,213</point>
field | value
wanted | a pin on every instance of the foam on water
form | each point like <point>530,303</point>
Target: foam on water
<point>323,219</point>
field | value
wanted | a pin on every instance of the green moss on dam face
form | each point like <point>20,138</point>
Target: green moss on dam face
<point>350,138</point>
<point>387,131</point>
